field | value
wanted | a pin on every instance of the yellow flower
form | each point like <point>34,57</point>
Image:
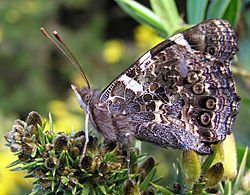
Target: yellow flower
<point>63,119</point>
<point>145,37</point>
<point>113,50</point>
<point>10,181</point>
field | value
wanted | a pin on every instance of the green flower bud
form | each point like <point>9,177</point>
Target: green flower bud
<point>245,183</point>
<point>39,173</point>
<point>214,175</point>
<point>9,137</point>
<point>103,167</point>
<point>23,157</point>
<point>60,143</point>
<point>18,128</point>
<point>19,122</point>
<point>114,166</point>
<point>149,191</point>
<point>48,147</point>
<point>28,148</point>
<point>86,163</point>
<point>191,165</point>
<point>73,181</point>
<point>93,143</point>
<point>34,119</point>
<point>45,184</point>
<point>230,157</point>
<point>64,170</point>
<point>130,188</point>
<point>32,129</point>
<point>52,163</point>
<point>176,188</point>
<point>17,137</point>
<point>75,151</point>
<point>15,147</point>
<point>101,179</point>
<point>147,165</point>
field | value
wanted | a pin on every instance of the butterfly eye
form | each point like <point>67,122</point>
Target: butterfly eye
<point>198,88</point>
<point>87,97</point>
<point>205,118</point>
<point>192,77</point>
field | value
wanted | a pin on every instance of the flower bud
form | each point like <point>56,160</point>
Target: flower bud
<point>86,163</point>
<point>15,147</point>
<point>147,165</point>
<point>101,179</point>
<point>34,119</point>
<point>214,175</point>
<point>230,157</point>
<point>60,143</point>
<point>149,191</point>
<point>52,163</point>
<point>20,122</point>
<point>18,128</point>
<point>191,165</point>
<point>28,148</point>
<point>48,147</point>
<point>45,184</point>
<point>130,188</point>
<point>23,157</point>
<point>8,136</point>
<point>103,167</point>
<point>245,183</point>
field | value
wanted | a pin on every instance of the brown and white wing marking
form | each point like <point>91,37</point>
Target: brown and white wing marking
<point>181,93</point>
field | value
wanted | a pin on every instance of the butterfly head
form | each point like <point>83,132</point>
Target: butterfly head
<point>83,95</point>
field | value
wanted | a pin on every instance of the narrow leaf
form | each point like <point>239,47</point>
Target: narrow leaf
<point>232,12</point>
<point>148,179</point>
<point>142,15</point>
<point>196,11</point>
<point>162,189</point>
<point>167,11</point>
<point>228,187</point>
<point>41,135</point>
<point>217,8</point>
<point>16,162</point>
<point>241,171</point>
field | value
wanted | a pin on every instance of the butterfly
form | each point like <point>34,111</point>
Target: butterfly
<point>180,94</point>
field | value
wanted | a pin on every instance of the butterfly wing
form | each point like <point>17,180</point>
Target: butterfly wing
<point>181,93</point>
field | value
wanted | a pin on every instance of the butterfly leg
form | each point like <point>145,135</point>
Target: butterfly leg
<point>86,131</point>
<point>128,136</point>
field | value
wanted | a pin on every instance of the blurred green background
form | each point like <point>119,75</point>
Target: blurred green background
<point>34,75</point>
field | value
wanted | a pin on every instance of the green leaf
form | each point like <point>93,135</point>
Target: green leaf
<point>196,11</point>
<point>240,154</point>
<point>16,169</point>
<point>241,171</point>
<point>167,11</point>
<point>232,12</point>
<point>162,189</point>
<point>148,179</point>
<point>209,160</point>
<point>41,134</point>
<point>50,122</point>
<point>16,162</point>
<point>217,8</point>
<point>228,187</point>
<point>142,15</point>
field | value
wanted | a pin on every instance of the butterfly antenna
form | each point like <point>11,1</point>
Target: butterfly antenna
<point>67,53</point>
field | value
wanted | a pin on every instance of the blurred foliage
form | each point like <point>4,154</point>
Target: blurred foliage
<point>35,76</point>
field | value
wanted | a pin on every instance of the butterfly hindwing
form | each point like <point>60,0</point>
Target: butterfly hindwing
<point>181,93</point>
